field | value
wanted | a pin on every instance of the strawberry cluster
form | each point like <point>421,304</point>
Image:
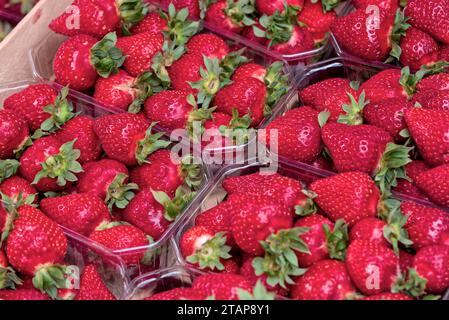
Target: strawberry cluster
<point>383,31</point>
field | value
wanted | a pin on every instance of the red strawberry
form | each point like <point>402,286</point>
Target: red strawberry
<point>388,296</point>
<point>127,138</point>
<point>248,32</point>
<point>81,59</point>
<point>430,16</point>
<point>434,184</point>
<point>412,170</point>
<point>36,246</point>
<point>116,237</point>
<point>300,40</point>
<point>81,129</point>
<point>16,187</point>
<point>178,294</point>
<point>386,5</point>
<point>405,260</point>
<point>165,172</point>
<point>370,229</point>
<point>430,131</point>
<point>50,165</point>
<point>13,133</point>
<point>418,49</point>
<point>218,219</point>
<point>186,69</point>
<point>351,196</point>
<point>270,7</point>
<point>385,85</point>
<point>328,95</point>
<point>433,99</point>
<point>82,212</point>
<point>209,45</point>
<point>192,6</point>
<point>443,54</point>
<point>373,268</point>
<point>221,286</point>
<point>316,20</point>
<point>97,17</point>
<point>230,15</point>
<point>92,286</point>
<point>250,70</point>
<point>425,225</point>
<point>298,134</point>
<point>108,180</point>
<point>23,294</point>
<point>434,82</point>
<point>325,280</point>
<point>153,22</point>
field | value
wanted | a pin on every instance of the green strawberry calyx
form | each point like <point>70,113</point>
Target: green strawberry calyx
<point>237,129</point>
<point>8,168</point>
<point>61,166</point>
<point>259,293</point>
<point>106,57</point>
<point>119,192</point>
<point>146,85</point>
<point>174,207</point>
<point>149,144</point>
<point>328,5</point>
<point>399,31</point>
<point>307,207</point>
<point>240,12</point>
<point>211,253</point>
<point>409,81</point>
<point>49,278</point>
<point>230,63</point>
<point>9,278</point>
<point>192,171</point>
<point>277,83</point>
<point>354,111</point>
<point>131,12</point>
<point>337,239</point>
<point>412,284</point>
<point>394,232</point>
<point>148,257</point>
<point>196,118</point>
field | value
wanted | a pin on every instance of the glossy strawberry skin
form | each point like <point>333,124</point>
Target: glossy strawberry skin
<point>413,169</point>
<point>270,7</point>
<point>193,239</point>
<point>153,23</point>
<point>92,286</point>
<point>191,5</point>
<point>325,280</point>
<point>316,21</point>
<point>433,99</point>
<point>15,185</point>
<point>23,294</point>
<point>147,214</point>
<point>209,45</point>
<point>384,85</point>
<point>432,264</point>
<point>216,16</point>
<point>29,104</point>
<point>35,241</point>
<point>217,219</point>
<point>72,66</point>
<point>351,196</point>
<point>434,82</point>
<point>186,69</point>
<point>81,129</point>
<point>418,49</point>
<point>117,91</point>
<point>178,294</point>
<point>13,133</point>
<point>372,267</point>
<point>301,40</point>
<point>387,5</point>
<point>370,229</point>
<point>80,212</point>
<point>222,286</point>
<point>250,70</point>
<point>434,183</point>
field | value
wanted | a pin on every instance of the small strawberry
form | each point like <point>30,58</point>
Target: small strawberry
<point>209,45</point>
<point>221,286</point>
<point>50,165</point>
<point>92,286</point>
<point>370,229</point>
<point>178,294</point>
<point>316,20</point>
<point>81,59</point>
<point>108,180</point>
<point>217,219</point>
<point>418,49</point>
<point>270,7</point>
<point>434,184</point>
<point>388,296</point>
<point>8,277</point>
<point>17,188</point>
<point>325,280</point>
<point>412,170</point>
<point>81,212</point>
<point>127,137</point>
<point>23,294</point>
<point>14,133</point>
<point>373,268</point>
<point>230,15</point>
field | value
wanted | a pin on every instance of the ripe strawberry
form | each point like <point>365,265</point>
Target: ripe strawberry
<point>81,59</point>
<point>298,134</point>
<point>325,280</point>
<point>429,130</point>
<point>316,20</point>
<point>178,294</point>
<point>434,184</point>
<point>81,129</point>
<point>153,22</point>
<point>230,15</point>
<point>165,172</point>
<point>435,82</point>
<point>36,246</point>
<point>108,180</point>
<point>299,40</point>
<point>13,133</point>
<point>223,286</point>
<point>418,49</point>
<point>117,236</point>
<point>373,268</point>
<point>385,85</point>
<point>98,17</point>
<point>50,165</point>
<point>405,260</point>
<point>217,219</point>
<point>430,16</point>
<point>17,188</point>
<point>328,95</point>
<point>127,138</point>
<point>23,294</point>
<point>192,6</point>
<point>351,196</point>
<point>388,296</point>
<point>92,286</point>
<point>250,70</point>
<point>386,5</point>
<point>371,229</point>
<point>82,212</point>
<point>249,33</point>
<point>270,7</point>
<point>185,70</point>
<point>443,54</point>
<point>209,45</point>
<point>433,99</point>
<point>412,170</point>
<point>425,225</point>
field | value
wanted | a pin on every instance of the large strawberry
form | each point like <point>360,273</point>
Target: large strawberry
<point>80,60</point>
<point>50,165</point>
<point>325,280</point>
<point>13,133</point>
<point>373,268</point>
<point>230,15</point>
<point>434,184</point>
<point>92,286</point>
<point>80,212</point>
<point>98,17</point>
<point>221,286</point>
<point>418,49</point>
<point>128,137</point>
<point>412,170</point>
<point>108,180</point>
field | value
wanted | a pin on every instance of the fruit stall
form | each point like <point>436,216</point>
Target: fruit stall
<point>224,150</point>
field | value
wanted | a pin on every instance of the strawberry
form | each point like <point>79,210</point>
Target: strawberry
<point>351,196</point>
<point>127,138</point>
<point>35,247</point>
<point>50,165</point>
<point>217,219</point>
<point>387,84</point>
<point>430,16</point>
<point>13,133</point>
<point>98,17</point>
<point>8,277</point>
<point>433,183</point>
<point>425,225</point>
<point>165,172</point>
<point>418,49</point>
<point>23,294</point>
<point>298,134</point>
<point>325,280</point>
<point>316,20</point>
<point>412,170</point>
<point>221,286</point>
<point>405,260</point>
<point>231,265</point>
<point>429,130</point>
<point>438,81</point>
<point>230,15</point>
<point>431,99</point>
<point>270,7</point>
<point>299,40</point>
<point>249,33</point>
<point>209,45</point>
<point>328,95</point>
<point>153,211</point>
<point>443,54</point>
<point>117,236</point>
<point>386,5</point>
<point>185,70</point>
<point>81,59</point>
<point>192,6</point>
<point>81,129</point>
<point>81,212</point>
<point>178,294</point>
<point>373,268</point>
<point>388,296</point>
<point>92,286</point>
<point>108,180</point>
<point>153,22</point>
<point>17,188</point>
<point>250,70</point>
